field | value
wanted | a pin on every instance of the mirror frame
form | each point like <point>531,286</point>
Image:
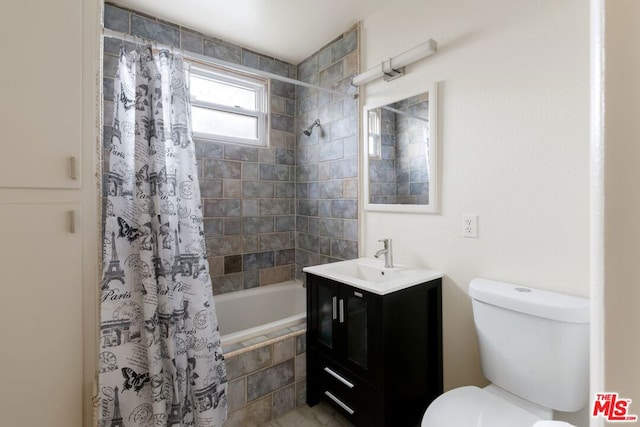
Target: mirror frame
<point>433,205</point>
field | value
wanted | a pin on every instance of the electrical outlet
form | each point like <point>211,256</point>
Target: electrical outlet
<point>470,226</point>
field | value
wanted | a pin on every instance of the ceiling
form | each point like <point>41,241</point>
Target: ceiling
<point>290,30</point>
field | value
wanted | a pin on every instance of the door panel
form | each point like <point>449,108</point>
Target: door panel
<point>41,316</point>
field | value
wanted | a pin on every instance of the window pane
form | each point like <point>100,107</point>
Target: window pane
<point>217,122</point>
<point>218,92</point>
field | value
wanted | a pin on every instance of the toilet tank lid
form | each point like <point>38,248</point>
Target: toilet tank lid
<point>536,302</point>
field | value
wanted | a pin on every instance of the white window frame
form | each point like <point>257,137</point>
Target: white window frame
<point>258,84</point>
<point>374,134</point>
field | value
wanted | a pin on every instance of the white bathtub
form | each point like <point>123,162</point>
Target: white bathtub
<point>258,311</point>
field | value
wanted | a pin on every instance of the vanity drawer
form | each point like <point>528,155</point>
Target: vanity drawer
<point>356,399</point>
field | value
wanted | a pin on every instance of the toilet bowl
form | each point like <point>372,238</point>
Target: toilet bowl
<point>472,406</point>
<point>534,350</point>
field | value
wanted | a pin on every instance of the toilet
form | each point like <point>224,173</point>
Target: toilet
<point>534,348</point>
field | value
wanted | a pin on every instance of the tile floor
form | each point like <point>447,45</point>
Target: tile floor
<point>321,415</point>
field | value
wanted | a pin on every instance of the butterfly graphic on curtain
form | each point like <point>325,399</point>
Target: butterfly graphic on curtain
<point>125,230</point>
<point>134,380</point>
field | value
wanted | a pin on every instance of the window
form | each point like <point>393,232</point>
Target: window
<point>375,143</point>
<point>228,106</point>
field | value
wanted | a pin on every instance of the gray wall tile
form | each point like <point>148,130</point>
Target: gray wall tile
<point>152,30</point>
<point>116,19</point>
<point>270,379</point>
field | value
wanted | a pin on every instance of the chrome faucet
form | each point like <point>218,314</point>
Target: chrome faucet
<point>388,254</point>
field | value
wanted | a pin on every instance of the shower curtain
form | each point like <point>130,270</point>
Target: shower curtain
<point>160,361</point>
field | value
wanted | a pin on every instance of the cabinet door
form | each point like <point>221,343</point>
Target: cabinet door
<point>41,86</point>
<point>41,316</point>
<point>358,314</point>
<point>323,314</point>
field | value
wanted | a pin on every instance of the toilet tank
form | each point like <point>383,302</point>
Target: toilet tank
<point>533,343</point>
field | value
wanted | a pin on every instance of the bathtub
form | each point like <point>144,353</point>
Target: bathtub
<point>256,312</point>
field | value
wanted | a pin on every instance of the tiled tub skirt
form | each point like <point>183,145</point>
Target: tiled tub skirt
<point>267,376</point>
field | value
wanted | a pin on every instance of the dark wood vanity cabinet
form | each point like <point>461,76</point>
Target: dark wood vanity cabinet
<point>377,358</point>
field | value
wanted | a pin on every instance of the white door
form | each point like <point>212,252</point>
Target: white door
<point>41,93</point>
<point>40,316</point>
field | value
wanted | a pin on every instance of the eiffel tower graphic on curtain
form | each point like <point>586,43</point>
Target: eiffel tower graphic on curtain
<point>116,420</point>
<point>114,271</point>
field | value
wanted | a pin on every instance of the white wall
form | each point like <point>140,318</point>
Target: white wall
<point>514,142</point>
<point>622,199</point>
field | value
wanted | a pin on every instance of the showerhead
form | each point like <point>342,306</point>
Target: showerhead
<point>308,130</point>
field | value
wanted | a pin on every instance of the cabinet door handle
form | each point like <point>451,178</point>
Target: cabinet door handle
<point>73,168</point>
<point>338,377</point>
<point>339,403</point>
<point>72,222</point>
<point>341,311</point>
<point>335,308</point>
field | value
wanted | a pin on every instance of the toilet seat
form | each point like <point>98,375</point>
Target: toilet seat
<point>471,406</point>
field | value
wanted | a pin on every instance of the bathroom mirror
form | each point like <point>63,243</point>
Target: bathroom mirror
<point>400,154</point>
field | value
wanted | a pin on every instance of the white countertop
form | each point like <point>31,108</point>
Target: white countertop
<point>369,274</point>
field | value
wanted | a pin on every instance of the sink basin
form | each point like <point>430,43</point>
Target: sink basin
<point>371,275</point>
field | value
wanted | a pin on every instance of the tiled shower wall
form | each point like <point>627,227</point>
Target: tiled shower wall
<point>269,211</point>
<point>248,193</point>
<point>327,160</point>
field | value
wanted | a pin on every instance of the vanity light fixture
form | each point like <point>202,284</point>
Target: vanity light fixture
<point>394,67</point>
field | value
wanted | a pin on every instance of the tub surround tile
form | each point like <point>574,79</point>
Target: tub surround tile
<point>285,257</point>
<point>209,149</point>
<point>270,276</point>
<point>265,372</point>
<point>221,49</point>
<point>216,266</point>
<point>268,380</point>
<point>301,393</point>
<point>254,414</point>
<point>232,226</point>
<point>212,227</point>
<point>301,367</point>
<point>152,30</point>
<point>255,340</point>
<point>301,344</point>
<point>284,400</point>
<point>276,241</point>
<point>251,279</point>
<point>227,283</point>
<point>224,246</point>
<point>232,264</point>
<point>283,350</point>
<point>222,207</point>
<point>116,19</point>
<point>211,188</point>
<point>248,362</point>
<point>191,41</point>
<point>258,260</point>
<point>236,394</point>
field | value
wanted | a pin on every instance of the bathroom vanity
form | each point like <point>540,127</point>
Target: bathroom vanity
<point>374,345</point>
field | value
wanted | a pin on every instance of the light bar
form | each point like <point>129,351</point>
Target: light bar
<point>394,67</point>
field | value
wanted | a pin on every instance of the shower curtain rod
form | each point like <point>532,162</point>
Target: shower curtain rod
<point>106,32</point>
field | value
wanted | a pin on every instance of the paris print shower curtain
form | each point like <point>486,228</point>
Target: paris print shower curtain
<point>160,358</point>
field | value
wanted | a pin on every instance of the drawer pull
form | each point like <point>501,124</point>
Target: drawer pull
<point>338,377</point>
<point>339,403</point>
